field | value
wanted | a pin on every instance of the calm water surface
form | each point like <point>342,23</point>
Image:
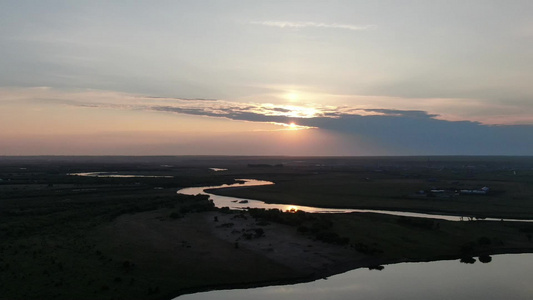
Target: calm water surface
<point>508,276</point>
<point>241,203</point>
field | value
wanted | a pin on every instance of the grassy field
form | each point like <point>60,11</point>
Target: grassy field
<point>396,186</point>
<point>72,237</point>
<point>51,241</point>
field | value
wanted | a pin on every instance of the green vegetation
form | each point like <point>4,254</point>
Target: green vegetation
<point>51,244</point>
<point>52,247</point>
<point>73,237</point>
<point>393,238</point>
<point>395,184</point>
<point>315,225</point>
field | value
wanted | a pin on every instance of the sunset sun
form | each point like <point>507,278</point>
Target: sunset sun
<point>252,149</point>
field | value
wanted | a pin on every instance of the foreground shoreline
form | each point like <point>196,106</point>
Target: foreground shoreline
<point>342,259</point>
<point>324,275</point>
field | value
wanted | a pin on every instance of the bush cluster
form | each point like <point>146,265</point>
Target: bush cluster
<point>316,225</point>
<point>190,204</point>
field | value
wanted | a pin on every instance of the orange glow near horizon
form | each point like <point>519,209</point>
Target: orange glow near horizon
<point>292,209</point>
<point>292,126</point>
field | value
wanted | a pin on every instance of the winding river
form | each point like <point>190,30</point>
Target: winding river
<point>507,276</point>
<point>241,203</point>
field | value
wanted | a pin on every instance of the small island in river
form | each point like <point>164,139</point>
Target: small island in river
<point>134,237</point>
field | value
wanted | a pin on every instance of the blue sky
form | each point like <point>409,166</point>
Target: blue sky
<point>229,77</point>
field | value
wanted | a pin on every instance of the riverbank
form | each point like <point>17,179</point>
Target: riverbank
<point>75,237</point>
<point>510,198</point>
<point>220,249</point>
<point>141,246</point>
<point>197,253</point>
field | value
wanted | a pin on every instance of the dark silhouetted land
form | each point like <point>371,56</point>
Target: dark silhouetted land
<point>74,237</point>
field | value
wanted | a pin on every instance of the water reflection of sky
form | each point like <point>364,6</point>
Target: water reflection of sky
<point>506,277</point>
<point>115,175</point>
<point>241,203</point>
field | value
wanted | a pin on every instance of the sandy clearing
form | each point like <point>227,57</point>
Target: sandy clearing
<point>284,245</point>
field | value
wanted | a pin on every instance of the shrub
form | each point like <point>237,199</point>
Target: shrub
<point>485,259</point>
<point>468,260</point>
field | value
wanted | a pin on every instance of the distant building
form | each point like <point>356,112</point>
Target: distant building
<point>482,191</point>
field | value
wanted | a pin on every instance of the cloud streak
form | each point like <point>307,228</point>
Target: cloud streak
<point>401,132</point>
<point>243,111</point>
<point>289,24</point>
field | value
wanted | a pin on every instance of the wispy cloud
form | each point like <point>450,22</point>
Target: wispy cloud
<point>442,109</point>
<point>279,114</point>
<point>409,132</point>
<point>289,24</point>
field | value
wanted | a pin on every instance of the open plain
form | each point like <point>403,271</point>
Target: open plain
<point>64,236</point>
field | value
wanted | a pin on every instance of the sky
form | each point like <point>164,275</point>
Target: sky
<point>266,77</point>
